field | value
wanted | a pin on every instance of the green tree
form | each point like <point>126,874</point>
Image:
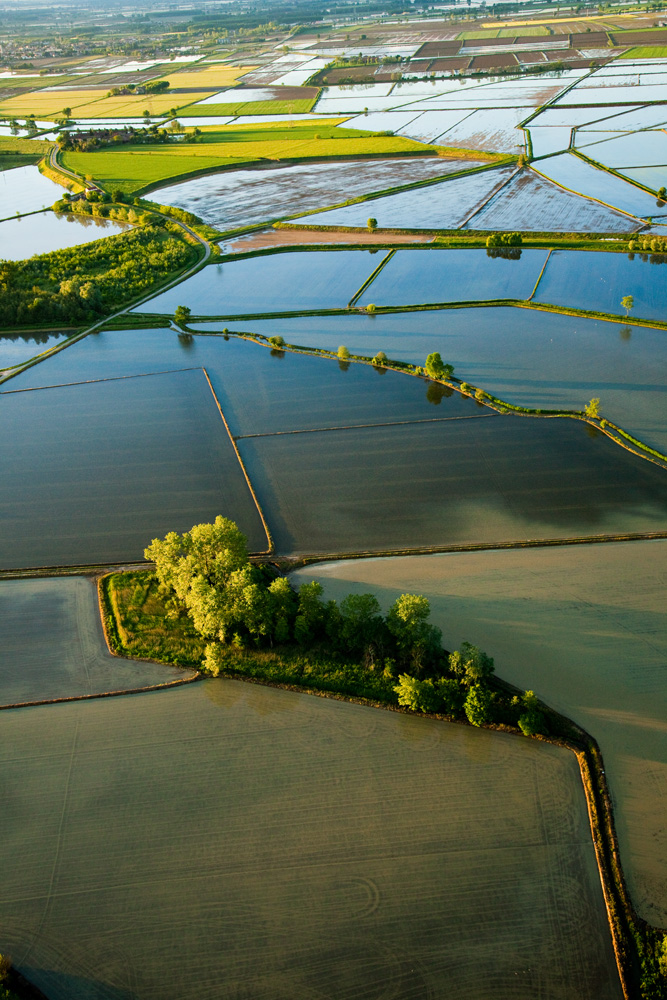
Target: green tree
<point>592,409</point>
<point>417,641</point>
<point>662,194</point>
<point>311,614</point>
<point>362,625</point>
<point>372,224</point>
<point>627,302</point>
<point>436,368</point>
<point>283,608</point>
<point>209,552</point>
<point>452,695</point>
<point>343,353</point>
<point>477,705</point>
<point>471,665</point>
<point>182,315</point>
<point>531,720</point>
<point>380,359</point>
<point>420,696</point>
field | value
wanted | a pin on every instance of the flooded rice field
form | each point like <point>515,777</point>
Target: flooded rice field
<point>284,282</point>
<point>584,627</point>
<point>53,645</point>
<point>244,197</point>
<point>43,233</point>
<point>432,476</point>
<point>365,853</point>
<point>419,277</point>
<point>439,206</point>
<point>479,479</point>
<point>636,149</point>
<point>583,178</point>
<point>93,472</point>
<point>24,189</point>
<point>17,348</point>
<point>538,360</point>
<point>570,280</point>
<point>531,202</point>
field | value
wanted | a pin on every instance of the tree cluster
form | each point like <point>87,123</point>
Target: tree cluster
<point>81,283</point>
<point>206,573</point>
<point>92,139</point>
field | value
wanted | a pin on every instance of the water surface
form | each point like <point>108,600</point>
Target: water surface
<point>583,626</point>
<point>365,853</point>
<point>242,197</point>
<point>43,233</point>
<point>54,647</point>
<point>281,282</point>
<point>93,472</point>
<point>24,189</point>
<point>15,348</point>
<point>599,281</point>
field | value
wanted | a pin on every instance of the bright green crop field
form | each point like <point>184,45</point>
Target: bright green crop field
<point>140,167</point>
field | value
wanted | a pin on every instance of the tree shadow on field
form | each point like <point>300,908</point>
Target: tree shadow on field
<point>63,986</point>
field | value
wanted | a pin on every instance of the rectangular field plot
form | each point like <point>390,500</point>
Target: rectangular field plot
<point>438,206</point>
<point>281,282</point>
<point>599,281</point>
<point>582,626</point>
<point>653,177</point>
<point>348,853</point>
<point>53,644</point>
<point>495,130</point>
<point>94,472</point>
<point>485,479</point>
<point>636,149</point>
<point>422,276</point>
<point>530,201</point>
<point>545,141</point>
<point>243,197</point>
<point>538,360</point>
<point>265,392</point>
<point>583,178</point>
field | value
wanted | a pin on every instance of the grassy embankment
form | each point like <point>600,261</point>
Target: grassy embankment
<point>139,168</point>
<point>16,152</point>
<point>138,623</point>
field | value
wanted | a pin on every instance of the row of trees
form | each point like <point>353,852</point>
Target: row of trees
<point>81,283</point>
<point>206,573</point>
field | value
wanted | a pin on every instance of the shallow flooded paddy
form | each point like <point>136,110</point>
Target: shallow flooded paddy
<point>282,282</point>
<point>93,472</point>
<point>584,627</point>
<point>599,282</point>
<point>538,360</point>
<point>53,645</point>
<point>484,478</point>
<point>347,852</point>
<point>420,277</point>
<point>438,206</point>
<point>243,197</point>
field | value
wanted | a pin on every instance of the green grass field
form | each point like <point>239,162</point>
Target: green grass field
<point>138,168</point>
<point>646,52</point>
<point>15,152</point>
<point>251,108</point>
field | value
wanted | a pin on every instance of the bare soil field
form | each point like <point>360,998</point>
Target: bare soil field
<point>268,238</point>
<point>229,840</point>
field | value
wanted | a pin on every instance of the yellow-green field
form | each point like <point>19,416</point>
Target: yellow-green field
<point>91,103</point>
<point>251,108</point>
<point>135,168</point>
<point>646,52</point>
<point>215,77</point>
